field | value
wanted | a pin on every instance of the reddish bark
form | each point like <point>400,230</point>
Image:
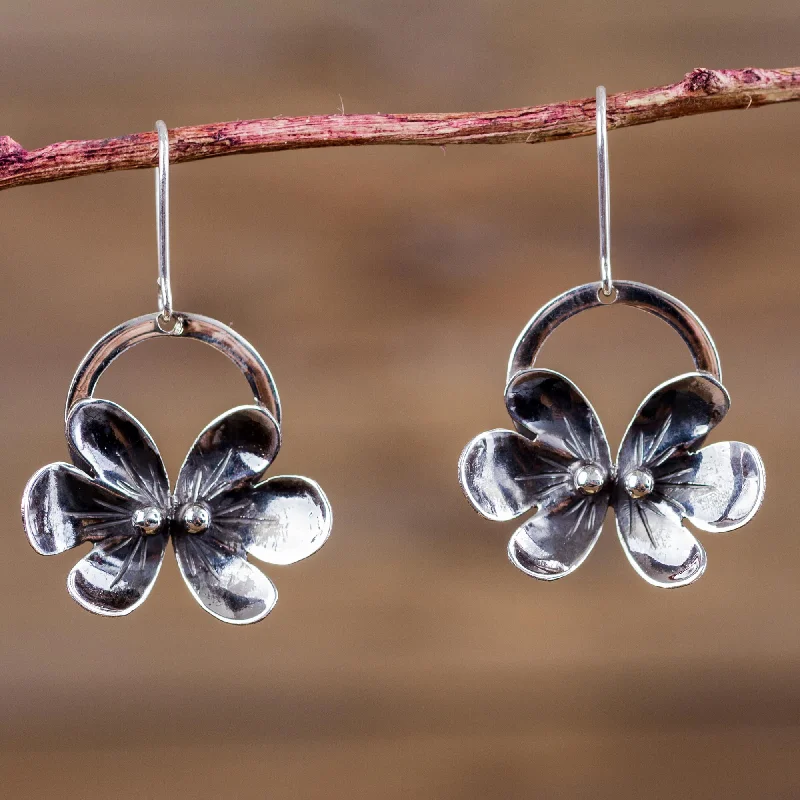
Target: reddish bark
<point>701,91</point>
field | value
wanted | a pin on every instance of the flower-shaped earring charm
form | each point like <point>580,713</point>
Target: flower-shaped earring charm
<point>557,463</point>
<point>117,497</point>
<point>560,465</point>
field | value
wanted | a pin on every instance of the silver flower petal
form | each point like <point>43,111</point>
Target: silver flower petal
<point>116,577</point>
<point>232,451</point>
<point>719,488</point>
<point>108,442</point>
<point>658,546</point>
<point>553,408</point>
<point>280,521</point>
<point>220,578</point>
<point>556,541</point>
<point>674,419</point>
<point>504,474</point>
<point>63,507</point>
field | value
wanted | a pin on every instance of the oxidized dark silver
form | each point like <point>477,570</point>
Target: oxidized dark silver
<point>116,494</point>
<point>557,462</point>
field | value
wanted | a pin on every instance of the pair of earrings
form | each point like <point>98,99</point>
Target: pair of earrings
<point>556,464</point>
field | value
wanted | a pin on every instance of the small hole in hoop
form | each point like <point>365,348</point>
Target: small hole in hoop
<point>607,299</point>
<point>172,324</point>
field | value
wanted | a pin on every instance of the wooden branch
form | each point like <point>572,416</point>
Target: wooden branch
<point>701,91</point>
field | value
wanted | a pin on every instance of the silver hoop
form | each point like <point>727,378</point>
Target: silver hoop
<point>189,326</point>
<point>603,193</point>
<point>162,222</point>
<point>679,316</point>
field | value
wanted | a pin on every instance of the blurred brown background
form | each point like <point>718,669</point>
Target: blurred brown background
<point>385,288</point>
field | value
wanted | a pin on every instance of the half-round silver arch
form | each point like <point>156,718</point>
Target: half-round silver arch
<point>677,315</point>
<point>189,326</point>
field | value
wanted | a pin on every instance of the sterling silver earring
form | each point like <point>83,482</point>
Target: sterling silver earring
<point>557,463</point>
<point>117,496</point>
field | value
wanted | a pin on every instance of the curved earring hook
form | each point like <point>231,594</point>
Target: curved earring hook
<point>162,223</point>
<point>603,192</point>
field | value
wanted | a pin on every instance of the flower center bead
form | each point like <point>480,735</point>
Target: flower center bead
<point>147,520</point>
<point>639,483</point>
<point>196,518</point>
<point>590,478</point>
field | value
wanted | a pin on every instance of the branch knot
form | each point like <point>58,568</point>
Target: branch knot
<point>11,150</point>
<point>703,81</point>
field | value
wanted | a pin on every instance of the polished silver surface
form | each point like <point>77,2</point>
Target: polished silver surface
<point>638,482</point>
<point>117,481</point>
<point>225,512</point>
<point>507,473</point>
<point>283,520</point>
<point>557,464</point>
<point>196,518</point>
<point>148,520</point>
<point>590,478</point>
<point>117,495</point>
<point>162,222</point>
<point>716,488</point>
<point>187,326</point>
<point>221,470</point>
<point>677,315</point>
<point>603,191</point>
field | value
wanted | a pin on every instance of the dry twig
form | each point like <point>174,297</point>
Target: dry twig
<point>701,91</point>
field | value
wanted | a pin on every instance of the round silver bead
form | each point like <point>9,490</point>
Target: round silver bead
<point>196,518</point>
<point>147,520</point>
<point>639,483</point>
<point>590,478</point>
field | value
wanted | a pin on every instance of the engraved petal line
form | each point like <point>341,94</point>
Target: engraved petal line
<point>674,503</point>
<point>196,544</point>
<point>143,556</point>
<point>225,512</point>
<point>228,547</point>
<point>94,527</point>
<point>137,481</point>
<point>215,475</point>
<point>579,451</point>
<point>665,456</point>
<point>554,463</point>
<point>126,563</point>
<point>196,482</point>
<point>656,443</point>
<point>643,518</point>
<point>584,504</point>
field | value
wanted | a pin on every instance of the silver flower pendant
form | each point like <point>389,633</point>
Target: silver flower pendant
<point>117,495</point>
<point>557,463</point>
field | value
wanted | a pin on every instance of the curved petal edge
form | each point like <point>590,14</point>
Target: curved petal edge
<point>658,546</point>
<point>504,474</point>
<point>232,451</point>
<point>117,576</point>
<point>281,521</point>
<point>554,543</point>
<point>223,581</point>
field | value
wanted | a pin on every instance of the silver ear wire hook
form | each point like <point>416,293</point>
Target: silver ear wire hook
<point>162,223</point>
<point>603,192</point>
